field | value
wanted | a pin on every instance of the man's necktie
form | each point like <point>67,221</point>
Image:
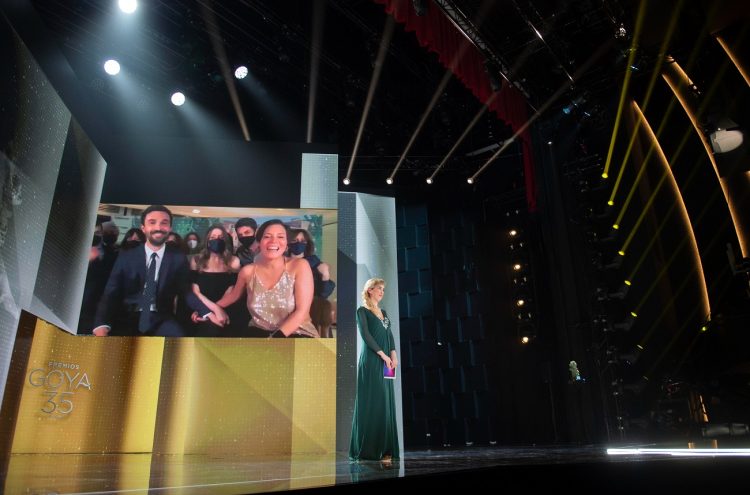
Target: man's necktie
<point>149,296</point>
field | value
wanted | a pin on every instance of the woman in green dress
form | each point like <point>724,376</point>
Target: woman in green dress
<point>374,435</point>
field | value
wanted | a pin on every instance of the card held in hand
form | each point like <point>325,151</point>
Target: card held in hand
<point>389,373</point>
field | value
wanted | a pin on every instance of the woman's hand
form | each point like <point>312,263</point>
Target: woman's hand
<point>386,359</point>
<point>394,359</point>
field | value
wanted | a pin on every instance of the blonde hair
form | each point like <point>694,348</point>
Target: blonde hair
<point>373,282</point>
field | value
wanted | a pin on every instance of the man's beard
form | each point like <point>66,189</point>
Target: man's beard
<point>157,242</point>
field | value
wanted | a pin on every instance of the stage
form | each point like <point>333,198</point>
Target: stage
<point>580,469</point>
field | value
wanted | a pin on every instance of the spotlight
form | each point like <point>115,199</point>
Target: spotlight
<point>520,302</point>
<point>615,226</point>
<point>112,67</point>
<point>549,143</point>
<point>470,180</point>
<point>621,253</point>
<point>429,180</point>
<point>526,332</point>
<point>517,267</point>
<point>240,72</point>
<point>178,99</point>
<point>611,203</point>
<point>347,181</point>
<point>128,6</point>
<point>605,175</point>
<point>513,232</point>
<point>389,181</point>
<point>725,140</point>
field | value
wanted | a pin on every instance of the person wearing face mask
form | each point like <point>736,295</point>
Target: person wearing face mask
<point>102,256</point>
<point>302,246</point>
<point>192,240</point>
<point>175,240</point>
<point>132,239</point>
<point>214,273</point>
<point>245,229</point>
<point>110,233</point>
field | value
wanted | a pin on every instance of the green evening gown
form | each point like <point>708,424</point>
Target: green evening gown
<point>374,422</point>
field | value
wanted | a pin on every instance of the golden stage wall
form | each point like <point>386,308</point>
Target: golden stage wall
<point>176,395</point>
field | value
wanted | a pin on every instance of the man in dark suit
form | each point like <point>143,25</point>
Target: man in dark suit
<point>139,298</point>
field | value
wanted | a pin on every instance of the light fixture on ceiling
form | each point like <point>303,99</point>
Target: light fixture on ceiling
<point>178,99</point>
<point>240,72</point>
<point>128,6</point>
<point>727,136</point>
<point>112,67</point>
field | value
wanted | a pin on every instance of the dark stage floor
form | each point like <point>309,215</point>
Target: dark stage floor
<point>577,469</point>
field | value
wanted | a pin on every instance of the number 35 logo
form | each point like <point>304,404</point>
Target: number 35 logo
<point>63,405</point>
<point>60,387</point>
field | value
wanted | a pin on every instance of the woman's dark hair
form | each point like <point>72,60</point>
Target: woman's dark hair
<point>177,236</point>
<point>134,231</point>
<point>198,238</point>
<point>320,314</point>
<point>310,247</point>
<point>178,242</point>
<point>262,229</point>
<point>201,259</point>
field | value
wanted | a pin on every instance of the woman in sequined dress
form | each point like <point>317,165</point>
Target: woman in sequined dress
<point>279,289</point>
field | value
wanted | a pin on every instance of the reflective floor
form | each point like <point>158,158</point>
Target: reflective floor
<point>583,469</point>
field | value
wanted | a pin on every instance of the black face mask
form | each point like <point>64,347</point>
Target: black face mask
<point>297,248</point>
<point>130,244</point>
<point>97,240</point>
<point>216,245</point>
<point>247,240</point>
<point>109,239</point>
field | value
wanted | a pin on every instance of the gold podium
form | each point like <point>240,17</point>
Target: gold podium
<point>155,395</point>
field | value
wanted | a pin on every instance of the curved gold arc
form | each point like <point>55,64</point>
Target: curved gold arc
<point>680,205</point>
<point>677,80</point>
